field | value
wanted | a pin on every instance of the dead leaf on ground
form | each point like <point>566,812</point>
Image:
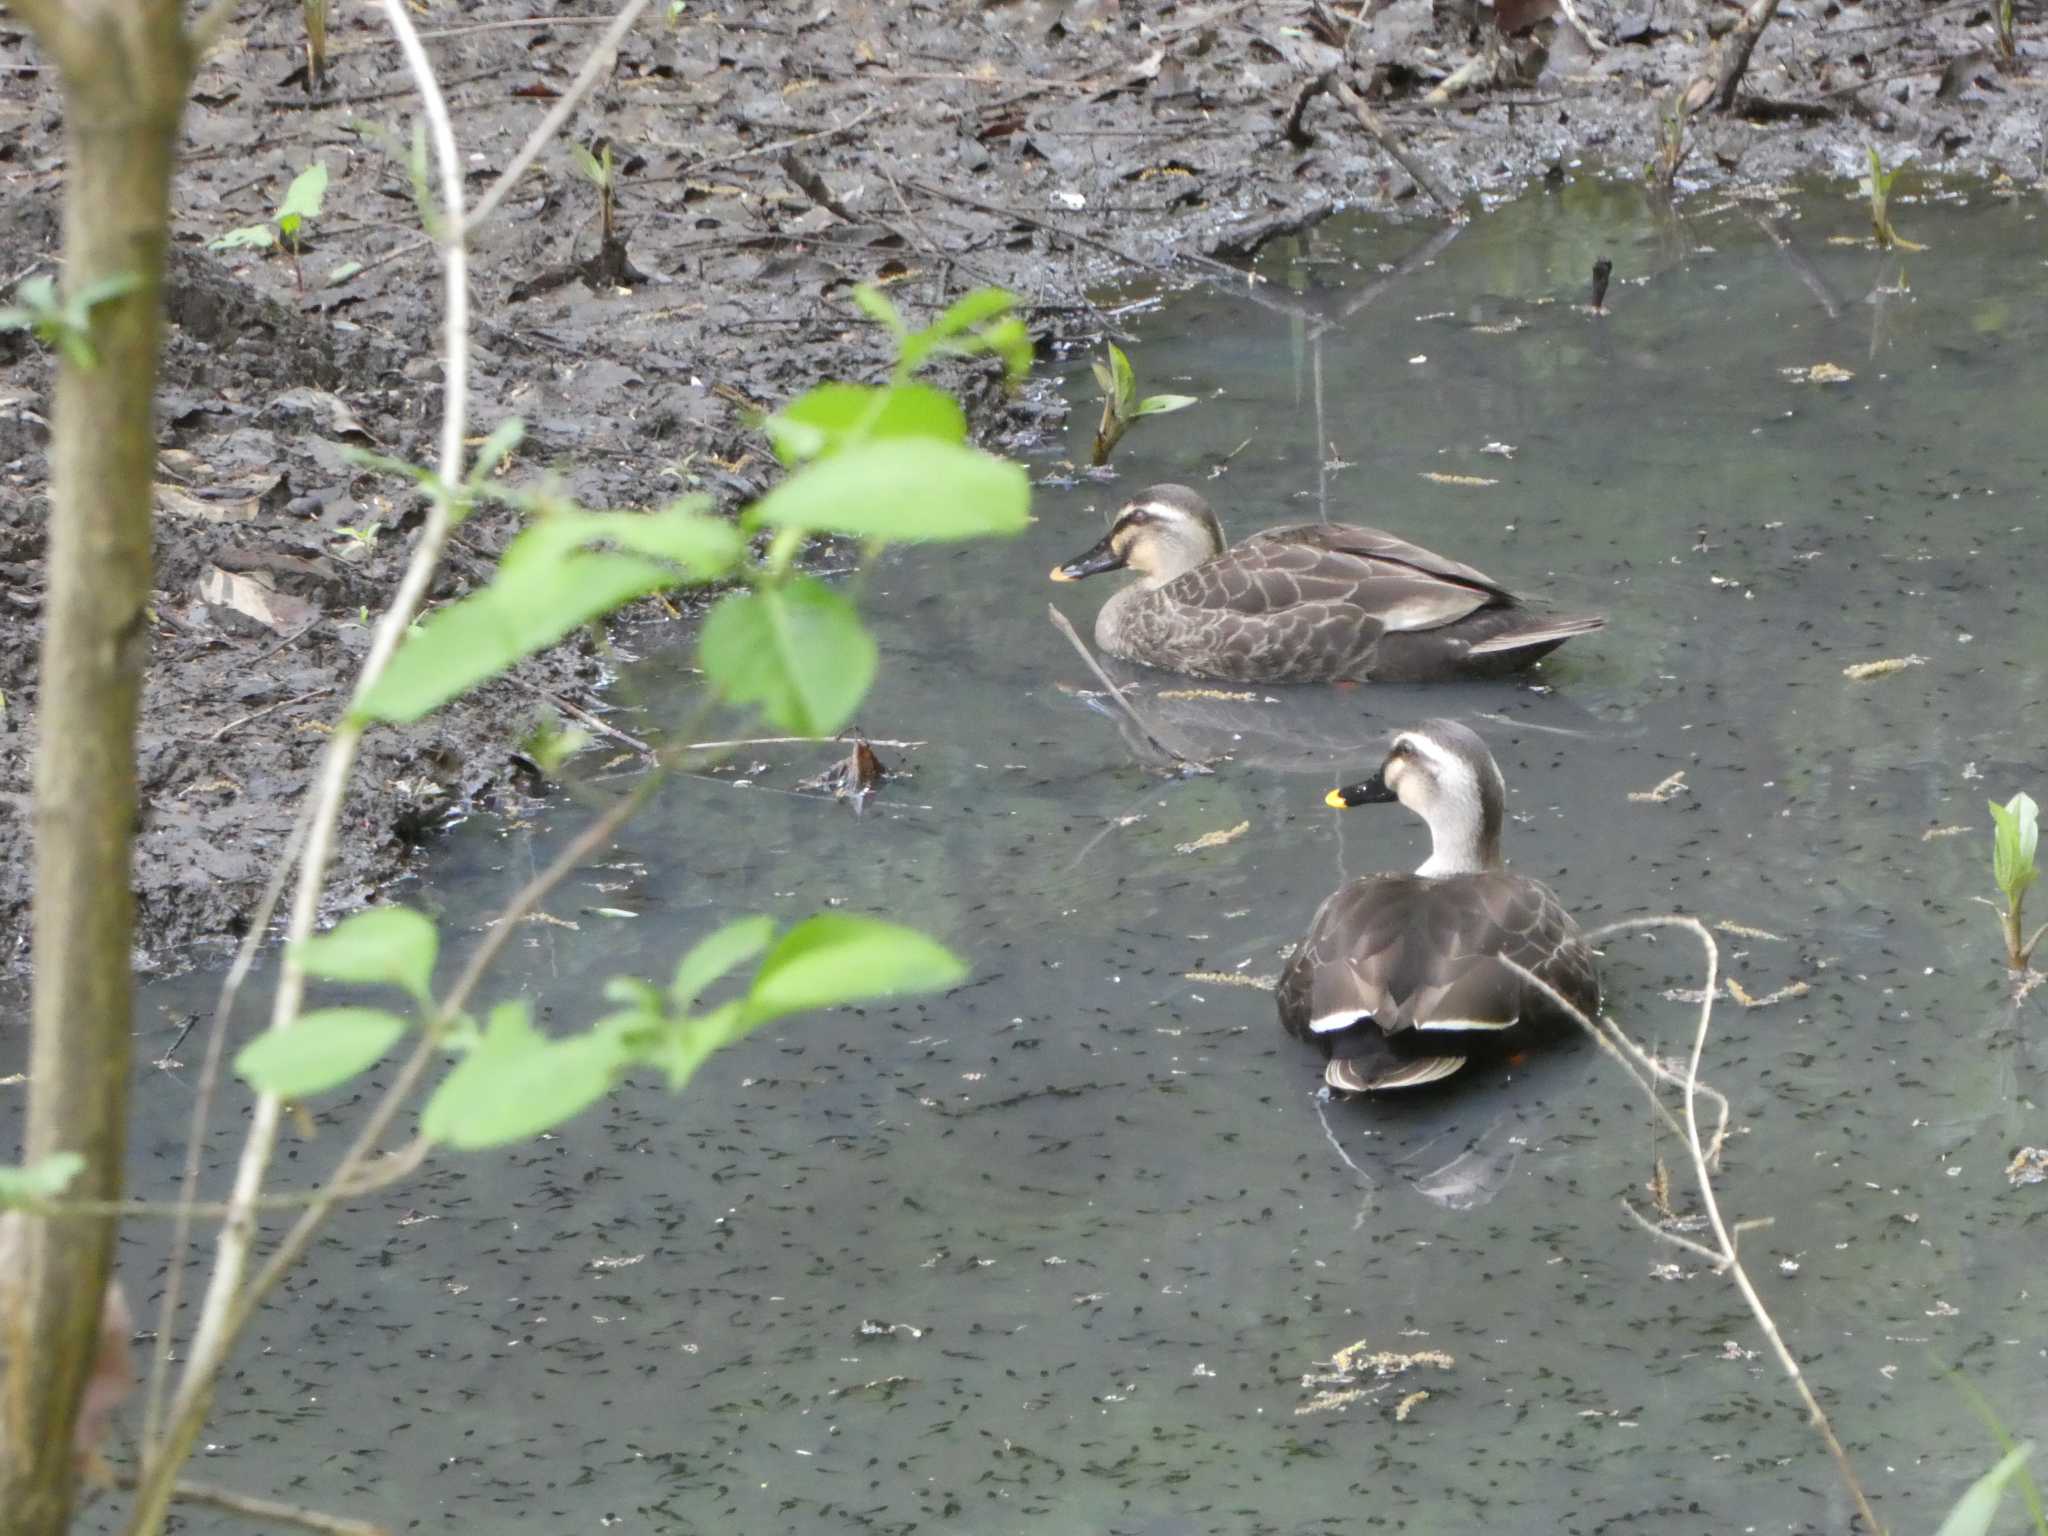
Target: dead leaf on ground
<point>252,595</point>
<point>1670,789</point>
<point>1863,671</point>
<point>1214,839</point>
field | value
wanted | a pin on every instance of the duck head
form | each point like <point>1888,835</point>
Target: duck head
<point>1442,772</point>
<point>1160,533</point>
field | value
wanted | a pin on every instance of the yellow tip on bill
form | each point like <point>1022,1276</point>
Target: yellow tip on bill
<point>1059,573</point>
<point>1335,800</point>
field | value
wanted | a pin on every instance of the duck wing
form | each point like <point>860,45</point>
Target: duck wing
<point>1402,978</point>
<point>1376,546</point>
<point>1268,578</point>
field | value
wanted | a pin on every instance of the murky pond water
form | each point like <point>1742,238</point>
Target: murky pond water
<point>1055,1253</point>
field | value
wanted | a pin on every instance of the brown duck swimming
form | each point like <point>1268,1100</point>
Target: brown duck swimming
<point>1401,979</point>
<point>1307,604</point>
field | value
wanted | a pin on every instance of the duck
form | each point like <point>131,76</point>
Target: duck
<point>1402,979</point>
<point>1310,603</point>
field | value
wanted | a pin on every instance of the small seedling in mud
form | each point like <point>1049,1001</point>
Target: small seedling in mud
<point>366,536</point>
<point>597,170</point>
<point>1877,186</point>
<point>1121,405</point>
<point>65,324</point>
<point>1673,144</point>
<point>2005,34</point>
<point>2013,867</point>
<point>550,744</point>
<point>302,200</point>
<point>315,12</point>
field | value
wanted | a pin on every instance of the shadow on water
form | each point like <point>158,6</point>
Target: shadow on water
<point>1055,1253</point>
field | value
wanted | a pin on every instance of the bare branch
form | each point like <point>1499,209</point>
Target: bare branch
<point>599,60</point>
<point>267,1509</point>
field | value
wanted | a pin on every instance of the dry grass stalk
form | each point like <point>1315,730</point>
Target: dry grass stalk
<point>1723,1254</point>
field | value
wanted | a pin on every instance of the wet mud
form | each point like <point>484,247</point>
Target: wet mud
<point>769,157</point>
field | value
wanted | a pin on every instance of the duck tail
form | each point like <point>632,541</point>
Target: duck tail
<point>1542,633</point>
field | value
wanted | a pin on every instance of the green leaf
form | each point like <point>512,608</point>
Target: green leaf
<point>901,488</point>
<point>1975,1510</point>
<point>586,165</point>
<point>302,199</point>
<point>835,958</point>
<point>837,416</point>
<point>685,1044</point>
<point>2018,835</point>
<point>93,295</point>
<point>385,945</point>
<point>1160,405</point>
<point>44,1179</point>
<point>318,1050</point>
<point>516,1082</point>
<point>797,651</point>
<point>875,304</point>
<point>1104,378</point>
<point>972,312</point>
<point>715,954</point>
<point>248,235</point>
<point>1010,339</point>
<point>1126,380</point>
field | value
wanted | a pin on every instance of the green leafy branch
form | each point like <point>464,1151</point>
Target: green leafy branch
<point>597,169</point>
<point>64,323</point>
<point>1121,405</point>
<point>1877,186</point>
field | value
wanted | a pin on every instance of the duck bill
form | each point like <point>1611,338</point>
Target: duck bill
<point>1103,557</point>
<point>1373,791</point>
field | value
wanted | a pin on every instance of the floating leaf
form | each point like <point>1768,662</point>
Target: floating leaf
<point>393,945</point>
<point>1863,671</point>
<point>1214,839</point>
<point>516,1082</point>
<point>798,651</point>
<point>836,958</point>
<point>1443,479</point>
<point>914,488</point>
<point>1161,405</point>
<point>318,1050</point>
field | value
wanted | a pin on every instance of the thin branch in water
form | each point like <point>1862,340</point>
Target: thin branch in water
<point>1383,136</point>
<point>264,1509</point>
<point>1187,765</point>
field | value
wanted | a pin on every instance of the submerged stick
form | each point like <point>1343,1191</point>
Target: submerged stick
<point>1370,122</point>
<point>1065,626</point>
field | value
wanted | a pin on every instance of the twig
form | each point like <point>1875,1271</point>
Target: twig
<point>269,709</point>
<point>789,741</point>
<point>1298,132</point>
<point>697,167</point>
<point>602,56</point>
<point>1725,1253</point>
<point>1571,14</point>
<point>1065,626</point>
<point>602,726</point>
<point>1369,121</point>
<point>263,1509</point>
<point>1736,50</point>
<point>217,1325</point>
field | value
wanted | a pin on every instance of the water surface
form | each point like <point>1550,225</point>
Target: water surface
<point>1056,1252</point>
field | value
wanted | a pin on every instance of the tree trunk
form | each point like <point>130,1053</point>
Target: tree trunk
<point>126,65</point>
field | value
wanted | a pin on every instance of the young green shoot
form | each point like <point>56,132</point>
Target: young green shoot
<point>315,13</point>
<point>597,170</point>
<point>60,322</point>
<point>2005,34</point>
<point>2012,866</point>
<point>1121,405</point>
<point>1674,145</point>
<point>1877,186</point>
<point>302,200</point>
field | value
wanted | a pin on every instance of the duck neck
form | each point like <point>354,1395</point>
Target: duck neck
<point>1464,848</point>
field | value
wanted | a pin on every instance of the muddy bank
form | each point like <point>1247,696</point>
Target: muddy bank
<point>770,156</point>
